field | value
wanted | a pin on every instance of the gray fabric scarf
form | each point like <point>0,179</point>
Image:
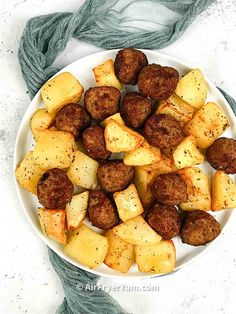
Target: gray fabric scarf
<point>108,24</point>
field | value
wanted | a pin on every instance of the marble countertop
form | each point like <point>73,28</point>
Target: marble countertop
<point>28,283</point>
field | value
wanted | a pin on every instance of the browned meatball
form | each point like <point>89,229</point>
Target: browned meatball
<point>102,211</point>
<point>72,118</point>
<point>165,220</point>
<point>54,189</point>
<point>199,228</point>
<point>170,189</point>
<point>114,175</point>
<point>135,109</point>
<point>94,142</point>
<point>163,131</point>
<point>102,101</point>
<point>128,64</point>
<point>222,154</point>
<point>157,82</point>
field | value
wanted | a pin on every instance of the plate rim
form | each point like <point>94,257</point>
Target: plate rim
<point>46,240</point>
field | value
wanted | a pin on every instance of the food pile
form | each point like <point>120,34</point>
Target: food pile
<point>133,157</point>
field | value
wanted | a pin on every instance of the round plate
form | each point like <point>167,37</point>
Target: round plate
<point>82,70</point>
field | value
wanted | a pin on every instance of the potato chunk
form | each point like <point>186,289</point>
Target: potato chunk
<point>61,90</point>
<point>156,258</point>
<point>192,88</point>
<point>186,154</point>
<point>87,246</point>
<point>54,149</point>
<point>83,171</point>
<point>105,75</point>
<point>76,210</point>
<point>116,117</point>
<point>120,255</point>
<point>177,108</point>
<point>198,190</point>
<point>137,231</point>
<point>41,121</point>
<point>128,203</point>
<point>223,191</point>
<point>144,176</point>
<point>207,124</point>
<point>142,155</point>
<point>28,173</point>
<point>53,224</point>
<point>119,138</point>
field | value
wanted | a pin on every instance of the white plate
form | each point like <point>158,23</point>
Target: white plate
<point>82,69</point>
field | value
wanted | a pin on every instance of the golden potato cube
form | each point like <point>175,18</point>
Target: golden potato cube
<point>137,231</point>
<point>177,108</point>
<point>83,171</point>
<point>120,138</point>
<point>53,224</point>
<point>28,173</point>
<point>223,191</point>
<point>186,154</point>
<point>87,246</point>
<point>207,124</point>
<point>156,258</point>
<point>105,75</point>
<point>142,155</point>
<point>142,181</point>
<point>116,117</point>
<point>54,149</point>
<point>120,255</point>
<point>76,210</point>
<point>198,190</point>
<point>144,176</point>
<point>41,121</point>
<point>61,90</point>
<point>192,88</point>
<point>128,203</point>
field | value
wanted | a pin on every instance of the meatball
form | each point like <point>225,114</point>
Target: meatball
<point>102,101</point>
<point>157,82</point>
<point>128,64</point>
<point>114,175</point>
<point>170,189</point>
<point>222,155</point>
<point>135,109</point>
<point>94,142</point>
<point>199,228</point>
<point>163,131</point>
<point>54,189</point>
<point>165,220</point>
<point>102,211</point>
<point>72,118</point>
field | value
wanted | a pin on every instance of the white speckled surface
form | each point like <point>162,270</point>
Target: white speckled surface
<point>27,282</point>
